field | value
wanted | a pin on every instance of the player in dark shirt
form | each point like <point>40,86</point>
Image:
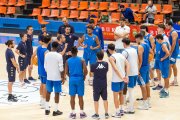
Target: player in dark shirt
<point>62,27</point>
<point>29,52</point>
<point>70,39</point>
<point>21,50</point>
<point>11,68</point>
<point>100,69</point>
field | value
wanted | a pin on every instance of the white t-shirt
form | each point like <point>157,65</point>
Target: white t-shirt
<point>120,63</point>
<point>53,65</point>
<point>121,30</point>
<point>132,57</point>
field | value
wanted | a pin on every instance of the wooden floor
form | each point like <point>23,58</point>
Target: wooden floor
<point>162,109</point>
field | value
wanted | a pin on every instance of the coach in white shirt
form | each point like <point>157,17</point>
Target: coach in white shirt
<point>53,65</point>
<point>121,32</point>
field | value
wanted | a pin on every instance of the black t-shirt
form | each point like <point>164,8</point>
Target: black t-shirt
<point>70,39</point>
<point>29,45</point>
<point>100,70</point>
<point>60,49</point>
<point>62,29</point>
<point>9,55</point>
<point>22,47</point>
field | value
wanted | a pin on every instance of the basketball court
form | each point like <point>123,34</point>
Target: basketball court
<point>28,108</point>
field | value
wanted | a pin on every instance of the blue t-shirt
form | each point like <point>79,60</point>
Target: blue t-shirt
<point>29,45</point>
<point>75,68</point>
<point>98,32</point>
<point>128,14</point>
<point>9,55</point>
<point>22,47</point>
<point>162,53</point>
<point>100,70</point>
<point>41,55</point>
<point>147,40</point>
<point>176,49</point>
<point>70,39</point>
<point>145,58</point>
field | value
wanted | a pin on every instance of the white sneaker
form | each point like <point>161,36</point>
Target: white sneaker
<point>23,85</point>
<point>143,106</point>
<point>116,115</point>
<point>149,103</point>
<point>62,94</point>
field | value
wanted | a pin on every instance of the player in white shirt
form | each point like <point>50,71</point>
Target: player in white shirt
<point>160,30</point>
<point>132,57</point>
<point>120,68</point>
<point>121,32</point>
<point>53,65</point>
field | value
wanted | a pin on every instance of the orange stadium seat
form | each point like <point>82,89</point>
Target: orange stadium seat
<point>104,13</point>
<point>138,18</point>
<point>103,6</point>
<point>21,3</point>
<point>83,5</point>
<point>11,10</point>
<point>158,7</point>
<point>134,7</point>
<point>73,5</point>
<point>54,4</point>
<point>45,4</point>
<point>83,15</point>
<point>115,16</point>
<point>93,6</point>
<point>94,13</point>
<point>64,4</point>
<point>125,4</point>
<point>36,12</point>
<point>143,7</point>
<point>41,21</point>
<point>54,13</point>
<point>113,6</point>
<point>11,3</point>
<point>64,13</point>
<point>3,10</point>
<point>74,14</point>
<point>45,12</point>
<point>3,2</point>
<point>158,19</point>
<point>167,9</point>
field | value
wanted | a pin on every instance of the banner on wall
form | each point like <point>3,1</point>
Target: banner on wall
<point>108,31</point>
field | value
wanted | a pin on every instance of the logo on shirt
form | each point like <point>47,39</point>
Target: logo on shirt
<point>100,66</point>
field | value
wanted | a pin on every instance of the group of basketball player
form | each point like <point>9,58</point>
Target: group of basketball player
<point>131,64</point>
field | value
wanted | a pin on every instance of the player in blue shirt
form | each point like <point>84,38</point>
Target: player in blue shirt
<point>91,45</point>
<point>21,50</point>
<point>11,68</point>
<point>164,64</point>
<point>98,32</point>
<point>100,69</point>
<point>29,51</point>
<point>76,69</point>
<point>40,53</point>
<point>143,54</point>
<point>173,39</point>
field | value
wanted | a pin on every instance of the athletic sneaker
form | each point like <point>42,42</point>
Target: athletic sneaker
<point>72,115</point>
<point>129,111</point>
<point>164,95</point>
<point>158,87</point>
<point>83,115</point>
<point>156,79</point>
<point>27,81</point>
<point>139,99</point>
<point>152,84</point>
<point>117,115</point>
<point>149,103</point>
<point>143,106</point>
<point>106,115</point>
<point>31,79</point>
<point>162,91</point>
<point>47,112</point>
<point>23,85</point>
<point>62,94</point>
<point>96,116</point>
<point>90,82</point>
<point>174,83</point>
<point>12,99</point>
<point>56,113</point>
<point>122,112</point>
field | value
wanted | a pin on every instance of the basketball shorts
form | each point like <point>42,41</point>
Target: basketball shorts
<point>76,87</point>
<point>164,67</point>
<point>173,60</point>
<point>53,84</point>
<point>117,86</point>
<point>11,73</point>
<point>29,60</point>
<point>99,91</point>
<point>144,71</point>
<point>132,81</point>
<point>90,58</point>
<point>22,63</point>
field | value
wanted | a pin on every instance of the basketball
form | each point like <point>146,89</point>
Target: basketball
<point>35,61</point>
